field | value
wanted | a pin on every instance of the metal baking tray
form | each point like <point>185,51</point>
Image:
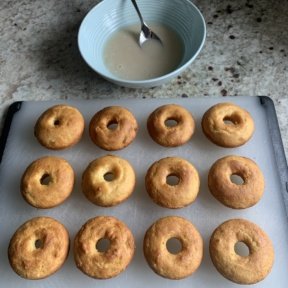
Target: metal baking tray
<point>19,148</point>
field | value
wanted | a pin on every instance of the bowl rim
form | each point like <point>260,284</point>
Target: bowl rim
<point>147,82</point>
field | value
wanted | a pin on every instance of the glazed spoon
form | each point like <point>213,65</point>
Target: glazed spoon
<point>146,33</point>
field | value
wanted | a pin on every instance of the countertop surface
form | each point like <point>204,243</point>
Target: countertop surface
<point>245,54</point>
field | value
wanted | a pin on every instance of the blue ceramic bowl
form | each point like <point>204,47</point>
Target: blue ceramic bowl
<point>111,15</point>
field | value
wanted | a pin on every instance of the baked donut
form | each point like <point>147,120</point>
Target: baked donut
<point>47,182</point>
<point>241,269</point>
<point>171,135</point>
<point>182,192</point>
<point>237,196</point>
<point>113,128</point>
<point>227,125</point>
<point>59,127</point>
<point>103,263</point>
<point>108,181</point>
<point>164,263</point>
<point>38,248</point>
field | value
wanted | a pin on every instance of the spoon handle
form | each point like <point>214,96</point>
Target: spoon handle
<point>138,11</point>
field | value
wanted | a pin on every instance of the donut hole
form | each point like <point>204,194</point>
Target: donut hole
<point>231,120</point>
<point>56,122</point>
<point>171,122</point>
<point>39,244</point>
<point>46,179</point>
<point>103,245</point>
<point>237,179</point>
<point>109,176</point>
<point>112,125</point>
<point>172,180</point>
<point>241,249</point>
<point>228,121</point>
<point>174,245</point>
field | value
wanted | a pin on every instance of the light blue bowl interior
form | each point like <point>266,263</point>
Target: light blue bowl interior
<point>111,15</point>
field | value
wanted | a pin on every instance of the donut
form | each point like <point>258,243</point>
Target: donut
<point>38,248</point>
<point>182,192</point>
<point>237,196</point>
<point>165,263</point>
<point>241,269</point>
<point>227,125</point>
<point>47,182</point>
<point>113,128</point>
<point>108,181</point>
<point>59,127</point>
<point>178,132</point>
<point>103,263</point>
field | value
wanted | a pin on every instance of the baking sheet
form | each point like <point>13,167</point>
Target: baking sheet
<point>139,211</point>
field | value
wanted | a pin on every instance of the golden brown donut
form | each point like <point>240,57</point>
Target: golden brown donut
<point>108,181</point>
<point>38,248</point>
<point>164,263</point>
<point>227,125</point>
<point>59,127</point>
<point>113,128</point>
<point>241,269</point>
<point>47,182</point>
<point>171,135</point>
<point>172,195</point>
<point>108,263</point>
<point>237,196</point>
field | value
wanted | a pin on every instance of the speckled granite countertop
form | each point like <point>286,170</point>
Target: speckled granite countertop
<point>245,54</point>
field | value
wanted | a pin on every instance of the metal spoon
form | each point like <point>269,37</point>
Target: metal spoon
<point>146,33</point>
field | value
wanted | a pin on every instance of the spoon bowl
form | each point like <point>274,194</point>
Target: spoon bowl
<point>146,33</point>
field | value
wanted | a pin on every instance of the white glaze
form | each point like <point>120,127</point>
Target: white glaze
<point>126,59</point>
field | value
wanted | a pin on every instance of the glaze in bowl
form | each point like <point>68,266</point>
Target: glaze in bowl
<point>111,15</point>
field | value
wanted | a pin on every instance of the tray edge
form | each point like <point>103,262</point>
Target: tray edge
<point>277,144</point>
<point>12,110</point>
